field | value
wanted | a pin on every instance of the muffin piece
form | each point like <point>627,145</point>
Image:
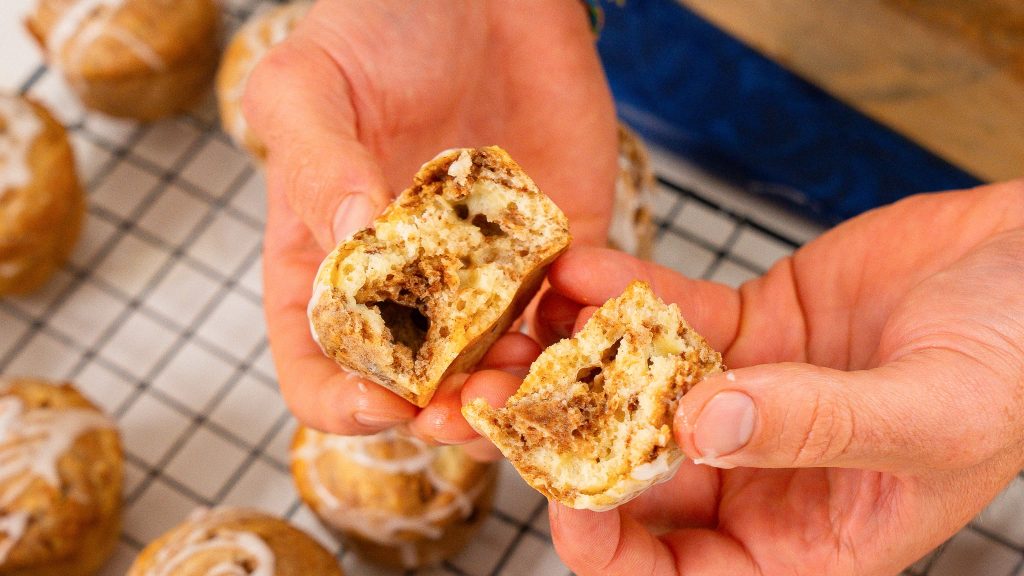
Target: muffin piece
<point>60,483</point>
<point>440,275</point>
<point>142,59</point>
<point>41,201</point>
<point>632,229</point>
<point>394,500</point>
<point>591,425</point>
<point>227,541</point>
<point>259,34</point>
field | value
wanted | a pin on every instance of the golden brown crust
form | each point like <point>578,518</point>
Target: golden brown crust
<point>73,527</point>
<point>148,58</point>
<point>395,501</point>
<point>442,274</point>
<point>261,32</point>
<point>590,426</point>
<point>247,539</point>
<point>40,219</point>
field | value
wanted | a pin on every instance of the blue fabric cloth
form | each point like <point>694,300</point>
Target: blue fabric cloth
<point>686,85</point>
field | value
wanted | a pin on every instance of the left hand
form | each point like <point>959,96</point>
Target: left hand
<point>876,402</point>
<point>365,91</point>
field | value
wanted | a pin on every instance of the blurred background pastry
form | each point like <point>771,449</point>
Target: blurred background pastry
<point>230,541</point>
<point>258,35</point>
<point>394,500</point>
<point>632,229</point>
<point>41,201</point>
<point>60,481</point>
<point>141,59</point>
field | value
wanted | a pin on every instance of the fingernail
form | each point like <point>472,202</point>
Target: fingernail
<point>354,213</point>
<point>378,421</point>
<point>724,425</point>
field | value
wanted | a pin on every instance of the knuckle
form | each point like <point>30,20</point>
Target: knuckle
<point>826,434</point>
<point>273,70</point>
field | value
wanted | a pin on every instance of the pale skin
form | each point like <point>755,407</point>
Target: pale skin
<point>876,397</point>
<point>362,94</point>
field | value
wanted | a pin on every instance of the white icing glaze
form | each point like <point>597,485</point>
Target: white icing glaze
<point>75,32</point>
<point>20,128</point>
<point>207,537</point>
<point>381,526</point>
<point>320,285</point>
<point>278,23</point>
<point>31,443</point>
<point>710,458</point>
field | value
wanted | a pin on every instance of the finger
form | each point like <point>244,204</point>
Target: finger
<point>319,393</point>
<point>297,102</point>
<point>906,415</point>
<point>441,421</point>
<point>606,543</point>
<point>494,386</point>
<point>482,450</point>
<point>591,276</point>
<point>512,352</point>
<point>555,318</point>
<point>614,544</point>
<point>688,500</point>
<point>582,319</point>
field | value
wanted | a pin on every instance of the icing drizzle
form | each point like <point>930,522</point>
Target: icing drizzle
<point>19,127</point>
<point>74,33</point>
<point>206,537</point>
<point>31,443</point>
<point>381,526</point>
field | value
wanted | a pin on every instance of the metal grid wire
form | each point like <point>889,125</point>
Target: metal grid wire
<point>157,318</point>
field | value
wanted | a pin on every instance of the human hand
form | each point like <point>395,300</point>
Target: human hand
<point>364,92</point>
<point>875,406</point>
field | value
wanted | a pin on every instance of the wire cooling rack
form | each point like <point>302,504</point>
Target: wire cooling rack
<point>157,318</point>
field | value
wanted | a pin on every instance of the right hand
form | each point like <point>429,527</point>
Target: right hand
<point>362,94</point>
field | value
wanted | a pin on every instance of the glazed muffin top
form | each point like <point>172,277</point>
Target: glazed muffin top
<point>37,171</point>
<point>104,39</point>
<point>234,541</point>
<point>387,487</point>
<point>60,471</point>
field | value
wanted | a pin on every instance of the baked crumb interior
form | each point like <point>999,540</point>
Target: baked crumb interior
<point>437,271</point>
<point>591,424</point>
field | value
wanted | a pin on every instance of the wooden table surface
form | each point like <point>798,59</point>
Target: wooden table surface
<point>948,74</point>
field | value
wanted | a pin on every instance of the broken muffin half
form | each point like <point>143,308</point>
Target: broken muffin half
<point>440,275</point>
<point>591,425</point>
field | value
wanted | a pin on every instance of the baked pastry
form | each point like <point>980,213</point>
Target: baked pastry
<point>142,59</point>
<point>60,481</point>
<point>591,425</point>
<point>440,275</point>
<point>41,201</point>
<point>394,500</point>
<point>258,35</point>
<point>230,541</point>
<point>632,229</point>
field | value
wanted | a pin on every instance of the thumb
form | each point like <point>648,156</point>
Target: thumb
<point>298,103</point>
<point>901,416</point>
